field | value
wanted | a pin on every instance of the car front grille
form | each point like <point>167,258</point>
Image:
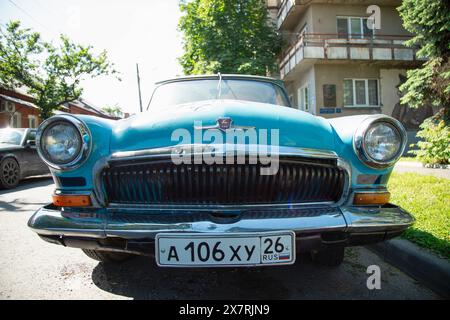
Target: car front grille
<point>163,182</point>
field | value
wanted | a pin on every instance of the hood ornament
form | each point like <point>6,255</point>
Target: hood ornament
<point>224,124</point>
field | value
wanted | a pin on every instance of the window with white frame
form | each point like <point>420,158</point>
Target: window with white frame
<point>32,121</point>
<point>353,27</point>
<point>361,92</point>
<point>16,120</point>
<point>303,98</point>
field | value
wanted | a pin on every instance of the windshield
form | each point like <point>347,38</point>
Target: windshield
<point>197,90</point>
<point>11,136</point>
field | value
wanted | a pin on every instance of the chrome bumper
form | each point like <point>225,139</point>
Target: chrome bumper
<point>50,221</point>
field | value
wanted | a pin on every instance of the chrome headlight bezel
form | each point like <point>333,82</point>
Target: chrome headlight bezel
<point>85,141</point>
<point>359,141</point>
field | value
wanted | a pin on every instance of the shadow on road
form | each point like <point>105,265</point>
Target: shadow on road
<point>33,182</point>
<point>28,196</point>
<point>140,278</point>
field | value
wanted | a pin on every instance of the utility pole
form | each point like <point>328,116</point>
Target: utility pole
<point>139,86</point>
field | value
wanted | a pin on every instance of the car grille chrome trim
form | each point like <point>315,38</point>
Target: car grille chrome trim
<point>217,149</point>
<point>152,169</point>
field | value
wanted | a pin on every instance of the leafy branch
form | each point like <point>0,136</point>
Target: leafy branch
<point>51,74</point>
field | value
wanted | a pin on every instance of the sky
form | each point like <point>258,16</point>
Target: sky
<point>131,31</point>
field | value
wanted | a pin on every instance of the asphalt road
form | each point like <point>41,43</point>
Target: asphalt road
<point>417,167</point>
<point>33,269</point>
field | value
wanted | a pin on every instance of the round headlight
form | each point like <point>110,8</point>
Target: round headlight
<point>380,141</point>
<point>63,142</point>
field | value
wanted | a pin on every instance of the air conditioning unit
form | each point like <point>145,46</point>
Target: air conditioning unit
<point>2,106</point>
<point>7,106</point>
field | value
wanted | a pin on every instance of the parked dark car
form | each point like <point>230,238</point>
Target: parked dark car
<point>18,157</point>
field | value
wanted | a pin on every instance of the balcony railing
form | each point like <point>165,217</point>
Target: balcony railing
<point>285,7</point>
<point>346,47</point>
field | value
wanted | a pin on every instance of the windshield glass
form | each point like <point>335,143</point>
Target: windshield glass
<point>197,90</point>
<point>11,136</point>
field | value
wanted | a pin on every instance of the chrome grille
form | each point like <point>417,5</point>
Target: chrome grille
<point>163,182</point>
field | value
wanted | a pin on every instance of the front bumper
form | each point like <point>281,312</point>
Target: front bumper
<point>320,225</point>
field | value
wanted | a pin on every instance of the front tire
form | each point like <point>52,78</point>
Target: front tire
<point>331,257</point>
<point>9,173</point>
<point>107,256</point>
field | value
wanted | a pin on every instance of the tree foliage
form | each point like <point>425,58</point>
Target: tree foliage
<point>234,36</point>
<point>114,111</point>
<point>434,146</point>
<point>429,20</point>
<point>51,74</point>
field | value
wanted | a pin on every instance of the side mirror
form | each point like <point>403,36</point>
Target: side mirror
<point>30,143</point>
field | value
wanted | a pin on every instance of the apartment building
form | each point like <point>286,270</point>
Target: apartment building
<point>346,57</point>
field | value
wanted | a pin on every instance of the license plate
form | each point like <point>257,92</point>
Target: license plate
<point>187,249</point>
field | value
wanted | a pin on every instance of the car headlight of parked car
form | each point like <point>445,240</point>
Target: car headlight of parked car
<point>63,142</point>
<point>379,141</point>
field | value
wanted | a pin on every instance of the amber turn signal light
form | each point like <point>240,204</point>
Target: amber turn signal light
<point>71,200</point>
<point>377,198</point>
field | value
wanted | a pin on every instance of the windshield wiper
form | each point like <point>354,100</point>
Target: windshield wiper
<point>219,86</point>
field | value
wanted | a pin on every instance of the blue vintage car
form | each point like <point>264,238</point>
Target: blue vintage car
<point>220,171</point>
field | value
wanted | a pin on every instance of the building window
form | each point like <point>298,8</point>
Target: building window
<point>361,93</point>
<point>32,121</point>
<point>353,27</point>
<point>16,120</point>
<point>303,98</point>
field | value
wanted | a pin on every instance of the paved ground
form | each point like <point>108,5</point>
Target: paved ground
<point>417,167</point>
<point>33,269</point>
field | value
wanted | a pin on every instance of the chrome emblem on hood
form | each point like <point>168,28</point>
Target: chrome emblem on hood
<point>223,124</point>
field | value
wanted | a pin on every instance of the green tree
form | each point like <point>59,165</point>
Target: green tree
<point>429,20</point>
<point>234,36</point>
<point>51,74</point>
<point>114,111</point>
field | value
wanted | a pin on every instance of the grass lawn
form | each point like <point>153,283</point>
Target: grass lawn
<point>427,198</point>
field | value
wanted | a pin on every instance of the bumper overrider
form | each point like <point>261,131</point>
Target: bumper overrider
<point>133,231</point>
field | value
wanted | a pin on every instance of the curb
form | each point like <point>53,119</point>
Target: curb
<point>417,262</point>
<point>413,164</point>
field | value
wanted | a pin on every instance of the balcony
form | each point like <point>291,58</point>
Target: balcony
<point>288,14</point>
<point>381,48</point>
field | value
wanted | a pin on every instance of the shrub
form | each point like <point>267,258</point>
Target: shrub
<point>434,147</point>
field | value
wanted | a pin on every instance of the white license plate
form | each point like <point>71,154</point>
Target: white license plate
<point>240,249</point>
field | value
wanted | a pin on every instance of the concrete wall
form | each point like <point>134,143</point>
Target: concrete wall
<point>389,79</point>
<point>319,74</point>
<point>305,18</point>
<point>335,74</point>
<point>324,18</point>
<point>306,77</point>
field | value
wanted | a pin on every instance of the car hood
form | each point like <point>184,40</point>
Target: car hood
<point>8,147</point>
<point>154,129</point>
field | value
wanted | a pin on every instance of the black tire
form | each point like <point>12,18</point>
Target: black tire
<point>9,173</point>
<point>331,257</point>
<point>107,256</point>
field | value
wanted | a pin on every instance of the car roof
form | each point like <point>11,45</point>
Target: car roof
<point>224,76</point>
